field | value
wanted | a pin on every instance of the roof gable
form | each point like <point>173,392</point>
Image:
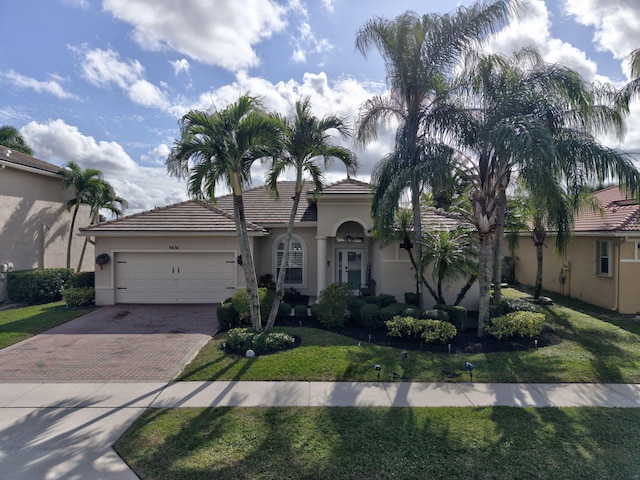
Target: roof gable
<point>621,212</point>
<point>15,158</point>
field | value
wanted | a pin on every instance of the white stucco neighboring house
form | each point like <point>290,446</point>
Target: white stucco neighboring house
<point>189,253</point>
<point>34,220</point>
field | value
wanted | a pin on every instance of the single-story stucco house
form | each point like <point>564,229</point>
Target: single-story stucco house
<point>188,252</point>
<point>602,261</point>
<point>34,219</point>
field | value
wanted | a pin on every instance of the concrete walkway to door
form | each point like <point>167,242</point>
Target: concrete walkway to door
<point>119,343</point>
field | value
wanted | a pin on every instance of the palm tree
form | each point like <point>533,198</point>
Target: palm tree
<point>631,89</point>
<point>420,53</point>
<point>522,115</point>
<point>10,137</point>
<point>221,147</point>
<point>454,255</point>
<point>306,140</point>
<point>102,198</point>
<point>83,184</point>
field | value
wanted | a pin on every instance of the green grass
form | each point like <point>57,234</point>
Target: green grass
<point>597,346</point>
<point>17,324</point>
<point>384,443</point>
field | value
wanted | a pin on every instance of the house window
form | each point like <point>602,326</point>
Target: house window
<point>603,258</point>
<point>295,267</point>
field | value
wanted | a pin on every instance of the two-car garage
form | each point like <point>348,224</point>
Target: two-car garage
<point>174,277</point>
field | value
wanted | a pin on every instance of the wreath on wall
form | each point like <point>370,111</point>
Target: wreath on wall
<point>102,259</point>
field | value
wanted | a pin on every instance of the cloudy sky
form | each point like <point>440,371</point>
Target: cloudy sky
<point>104,82</point>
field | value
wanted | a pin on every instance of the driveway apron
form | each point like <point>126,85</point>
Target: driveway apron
<point>119,343</point>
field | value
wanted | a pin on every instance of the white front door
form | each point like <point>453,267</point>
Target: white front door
<point>350,267</point>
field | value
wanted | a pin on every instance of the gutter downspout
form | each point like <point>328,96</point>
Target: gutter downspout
<point>617,273</point>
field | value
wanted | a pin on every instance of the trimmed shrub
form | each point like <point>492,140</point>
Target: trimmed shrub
<point>457,315</point>
<point>413,311</point>
<point>239,340</point>
<point>386,300</point>
<point>435,315</point>
<point>35,287</point>
<point>516,324</point>
<point>354,308</point>
<point>373,299</point>
<point>83,279</point>
<point>228,316</point>
<point>437,331</point>
<point>240,301</point>
<point>370,316</point>
<point>79,297</point>
<point>429,331</point>
<point>411,298</point>
<point>284,310</point>
<point>387,313</point>
<point>332,308</point>
<point>508,305</point>
<point>300,311</point>
<point>266,280</point>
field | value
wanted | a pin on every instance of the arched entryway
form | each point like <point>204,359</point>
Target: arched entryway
<point>350,254</point>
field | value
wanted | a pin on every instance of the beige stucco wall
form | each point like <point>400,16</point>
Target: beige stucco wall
<point>333,212</point>
<point>580,280</point>
<point>105,281</point>
<point>34,223</point>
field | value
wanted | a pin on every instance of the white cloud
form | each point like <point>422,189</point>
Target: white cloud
<point>143,187</point>
<point>51,86</point>
<point>103,68</point>
<point>616,23</point>
<point>180,66</point>
<point>215,32</point>
<point>534,30</point>
<point>306,42</point>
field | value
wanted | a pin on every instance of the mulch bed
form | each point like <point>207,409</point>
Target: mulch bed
<point>465,342</point>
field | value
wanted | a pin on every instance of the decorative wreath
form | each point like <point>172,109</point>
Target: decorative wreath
<point>103,259</point>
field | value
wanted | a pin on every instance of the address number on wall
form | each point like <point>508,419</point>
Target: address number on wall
<point>174,247</point>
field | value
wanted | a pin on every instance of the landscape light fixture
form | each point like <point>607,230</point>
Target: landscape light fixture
<point>404,357</point>
<point>378,368</point>
<point>469,366</point>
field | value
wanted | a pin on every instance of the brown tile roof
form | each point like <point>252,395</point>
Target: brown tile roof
<point>10,156</point>
<point>191,217</point>
<point>436,219</point>
<point>263,208</point>
<point>348,186</point>
<point>620,213</point>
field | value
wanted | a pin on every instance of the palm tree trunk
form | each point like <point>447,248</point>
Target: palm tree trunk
<point>84,246</point>
<point>538,289</point>
<point>284,262</point>
<point>463,291</point>
<point>501,206</point>
<point>73,224</point>
<point>247,263</point>
<point>485,257</point>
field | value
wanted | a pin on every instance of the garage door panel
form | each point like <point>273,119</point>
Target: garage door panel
<point>168,277</point>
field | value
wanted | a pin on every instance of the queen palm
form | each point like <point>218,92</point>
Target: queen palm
<point>540,120</point>
<point>103,198</point>
<point>221,147</point>
<point>419,54</point>
<point>10,137</point>
<point>83,184</point>
<point>306,140</point>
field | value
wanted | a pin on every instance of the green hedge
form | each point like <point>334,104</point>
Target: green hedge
<point>430,331</point>
<point>332,308</point>
<point>370,316</point>
<point>239,340</point>
<point>300,311</point>
<point>284,310</point>
<point>35,287</point>
<point>516,324</point>
<point>457,315</point>
<point>83,279</point>
<point>240,302</point>
<point>509,305</point>
<point>228,316</point>
<point>79,297</point>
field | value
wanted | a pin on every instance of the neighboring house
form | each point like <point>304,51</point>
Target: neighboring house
<point>189,253</point>
<point>34,220</point>
<point>602,263</point>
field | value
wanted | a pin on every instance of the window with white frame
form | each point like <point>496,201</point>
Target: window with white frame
<point>603,258</point>
<point>295,266</point>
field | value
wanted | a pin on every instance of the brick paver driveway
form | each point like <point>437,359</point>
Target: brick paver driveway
<point>118,343</point>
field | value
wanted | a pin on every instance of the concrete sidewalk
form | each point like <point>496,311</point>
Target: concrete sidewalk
<point>50,431</point>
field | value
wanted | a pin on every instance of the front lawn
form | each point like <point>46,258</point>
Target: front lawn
<point>384,443</point>
<point>17,324</point>
<point>594,345</point>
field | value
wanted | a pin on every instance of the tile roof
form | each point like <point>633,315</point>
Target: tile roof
<point>348,186</point>
<point>191,216</point>
<point>620,213</point>
<point>437,219</point>
<point>10,156</point>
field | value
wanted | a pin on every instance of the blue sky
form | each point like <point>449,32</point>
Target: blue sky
<point>103,83</point>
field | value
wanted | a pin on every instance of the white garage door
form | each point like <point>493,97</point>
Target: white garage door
<point>174,277</point>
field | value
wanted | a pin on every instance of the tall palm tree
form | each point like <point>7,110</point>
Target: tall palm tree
<point>522,115</point>
<point>632,89</point>
<point>221,147</point>
<point>10,137</point>
<point>99,199</point>
<point>83,184</point>
<point>420,53</point>
<point>306,140</point>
